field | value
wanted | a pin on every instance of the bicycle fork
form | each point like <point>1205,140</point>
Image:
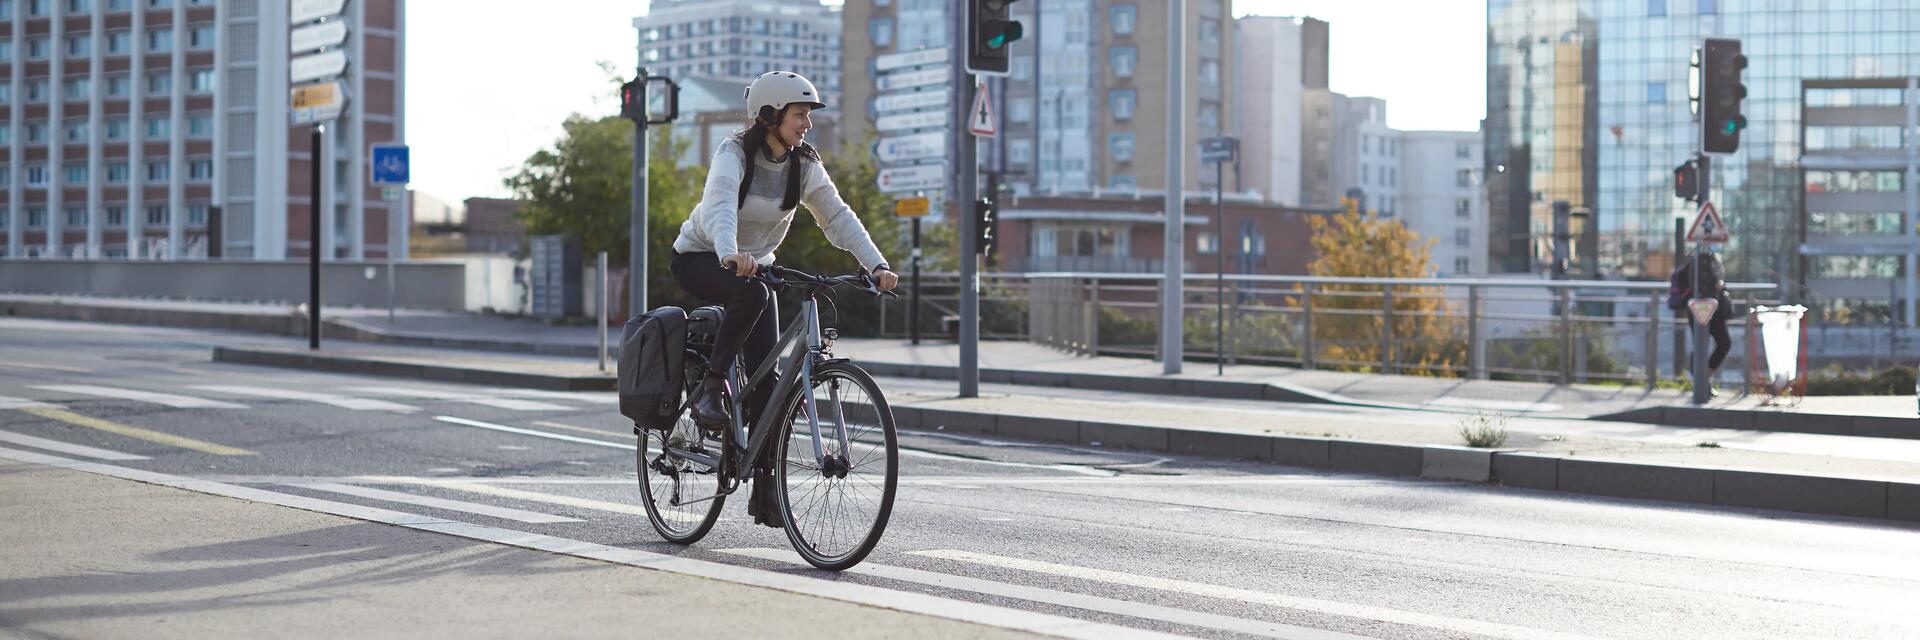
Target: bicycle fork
<point>832,466</point>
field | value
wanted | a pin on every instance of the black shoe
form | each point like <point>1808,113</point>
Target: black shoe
<point>763,505</point>
<point>710,405</point>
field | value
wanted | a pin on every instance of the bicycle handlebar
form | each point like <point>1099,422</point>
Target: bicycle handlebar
<point>778,276</point>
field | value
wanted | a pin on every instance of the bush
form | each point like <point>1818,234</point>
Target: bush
<point>1835,381</point>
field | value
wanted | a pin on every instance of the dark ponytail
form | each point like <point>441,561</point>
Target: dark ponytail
<point>753,139</point>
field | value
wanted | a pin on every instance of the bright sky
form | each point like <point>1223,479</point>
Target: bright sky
<point>489,83</point>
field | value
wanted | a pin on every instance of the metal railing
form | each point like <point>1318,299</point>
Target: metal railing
<point>1565,331</point>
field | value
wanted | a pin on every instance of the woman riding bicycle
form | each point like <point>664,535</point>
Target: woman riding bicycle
<point>756,180</point>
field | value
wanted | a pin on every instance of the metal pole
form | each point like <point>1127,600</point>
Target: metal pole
<point>1701,393</point>
<point>1653,340</point>
<point>1566,336</point>
<point>1476,343</point>
<point>1306,300</point>
<point>913,290</point>
<point>1913,199</point>
<point>1172,301</point>
<point>637,232</point>
<point>1679,330</point>
<point>316,201</point>
<point>965,152</point>
<point>604,281</point>
<point>1219,272</point>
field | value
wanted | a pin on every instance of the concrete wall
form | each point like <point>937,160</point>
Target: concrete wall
<point>426,285</point>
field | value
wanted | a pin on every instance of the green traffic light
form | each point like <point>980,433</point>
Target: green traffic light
<point>1733,125</point>
<point>1008,32</point>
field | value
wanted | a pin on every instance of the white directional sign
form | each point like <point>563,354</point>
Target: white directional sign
<point>911,147</point>
<point>332,33</point>
<point>918,178</point>
<point>905,101</point>
<point>318,102</point>
<point>892,81</point>
<point>305,10</point>
<point>317,66</point>
<point>904,121</point>
<point>922,57</point>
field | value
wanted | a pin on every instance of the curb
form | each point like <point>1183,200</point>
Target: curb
<point>288,324</point>
<point>1784,421</point>
<point>344,329</point>
<point>396,369</point>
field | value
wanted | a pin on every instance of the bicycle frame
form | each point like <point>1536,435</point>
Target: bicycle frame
<point>803,335</point>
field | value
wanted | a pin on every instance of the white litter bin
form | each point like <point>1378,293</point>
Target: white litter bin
<point>1780,337</point>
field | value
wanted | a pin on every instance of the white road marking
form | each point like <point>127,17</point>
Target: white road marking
<point>591,397</point>
<point>1065,599</point>
<point>439,503</point>
<point>516,494</point>
<point>1085,471</point>
<point>534,433</point>
<point>63,447</point>
<point>469,398</point>
<point>44,367</point>
<point>168,399</point>
<point>916,603</point>
<point>9,402</point>
<point>344,402</point>
<point>1359,611</point>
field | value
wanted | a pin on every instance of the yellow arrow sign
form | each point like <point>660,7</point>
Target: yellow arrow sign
<point>914,207</point>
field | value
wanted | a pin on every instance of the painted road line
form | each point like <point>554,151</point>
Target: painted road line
<point>137,432</point>
<point>516,494</point>
<point>9,402</point>
<point>469,398</point>
<point>866,595</point>
<point>1358,611</point>
<point>604,432</point>
<point>1066,599</point>
<point>344,402</point>
<point>44,367</point>
<point>66,448</point>
<point>591,397</point>
<point>168,399</point>
<point>531,517</point>
<point>534,433</point>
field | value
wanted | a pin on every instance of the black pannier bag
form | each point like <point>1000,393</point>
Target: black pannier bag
<point>650,371</point>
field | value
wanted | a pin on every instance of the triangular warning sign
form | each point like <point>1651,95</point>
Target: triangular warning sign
<point>980,118</point>
<point>1707,227</point>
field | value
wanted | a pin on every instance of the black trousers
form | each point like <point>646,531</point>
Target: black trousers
<point>1717,327</point>
<point>751,326</point>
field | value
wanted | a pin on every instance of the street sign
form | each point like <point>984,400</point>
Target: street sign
<point>904,121</point>
<point>1707,227</point>
<point>391,194</point>
<point>914,207</point>
<point>306,10</point>
<point>905,101</point>
<point>318,102</point>
<point>911,147</point>
<point>389,164</point>
<point>331,33</point>
<point>317,66</point>
<point>915,178</point>
<point>980,118</point>
<point>1702,309</point>
<point>1219,150</point>
<point>922,57</point>
<point>902,80</point>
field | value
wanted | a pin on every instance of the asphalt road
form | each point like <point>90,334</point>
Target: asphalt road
<point>1192,546</point>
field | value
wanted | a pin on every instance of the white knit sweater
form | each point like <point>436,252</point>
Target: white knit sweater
<point>719,224</point>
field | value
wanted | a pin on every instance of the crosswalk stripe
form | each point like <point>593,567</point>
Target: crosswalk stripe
<point>65,447</point>
<point>167,399</point>
<point>469,398</point>
<point>345,402</point>
<point>531,517</point>
<point>1066,599</point>
<point>535,433</point>
<point>137,432</point>
<point>1360,611</point>
<point>9,402</point>
<point>516,494</point>
<point>599,397</point>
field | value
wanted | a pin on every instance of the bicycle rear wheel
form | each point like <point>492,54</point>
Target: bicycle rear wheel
<point>671,486</point>
<point>837,510</point>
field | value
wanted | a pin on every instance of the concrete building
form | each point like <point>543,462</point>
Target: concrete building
<point>1857,254</point>
<point>1291,55</point>
<point>1439,196</point>
<point>737,40</point>
<point>157,129</point>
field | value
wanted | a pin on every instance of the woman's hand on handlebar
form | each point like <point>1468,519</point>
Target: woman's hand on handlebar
<point>742,264</point>
<point>885,279</point>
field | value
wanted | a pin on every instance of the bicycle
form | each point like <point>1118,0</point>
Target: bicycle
<point>813,481</point>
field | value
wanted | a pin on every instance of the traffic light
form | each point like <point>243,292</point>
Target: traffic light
<point>633,103</point>
<point>985,221</point>
<point>1686,181</point>
<point>1720,95</point>
<point>990,31</point>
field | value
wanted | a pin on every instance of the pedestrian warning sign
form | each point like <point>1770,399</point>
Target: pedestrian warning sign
<point>980,118</point>
<point>1707,227</point>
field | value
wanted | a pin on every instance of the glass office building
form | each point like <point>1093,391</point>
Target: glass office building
<point>1587,102</point>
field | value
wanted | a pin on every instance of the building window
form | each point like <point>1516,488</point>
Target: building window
<point>1123,59</point>
<point>203,80</point>
<point>116,173</point>
<point>1856,267</point>
<point>37,175</point>
<point>200,126</point>
<point>1020,151</point>
<point>1125,183</point>
<point>159,4</point>
<point>1709,7</point>
<point>159,83</point>
<point>156,215</point>
<point>1853,223</point>
<point>116,216</point>
<point>5,219</point>
<point>159,127</point>
<point>1121,102</point>
<point>1366,174</point>
<point>200,37</point>
<point>6,49</point>
<point>1855,137</point>
<point>1123,17</point>
<point>78,6</point>
<point>1020,111</point>
<point>36,132</point>
<point>1656,92</point>
<point>76,217</point>
<point>119,5</point>
<point>160,40</point>
<point>1210,31</point>
<point>6,93</point>
<point>1463,208</point>
<point>76,130</point>
<point>1854,182</point>
<point>1209,116</point>
<point>117,86</point>
<point>1205,243</point>
<point>200,171</point>
<point>1656,8</point>
<point>79,45</point>
<point>197,215</point>
<point>119,42</point>
<point>77,89</point>
<point>1463,237</point>
<point>1461,266</point>
<point>1210,73</point>
<point>1463,150</point>
<point>881,31</point>
<point>36,48</point>
<point>36,217</point>
<point>159,171</point>
<point>37,8</point>
<point>1463,178</point>
<point>116,128</point>
<point>75,173</point>
<point>1120,147</point>
<point>37,90</point>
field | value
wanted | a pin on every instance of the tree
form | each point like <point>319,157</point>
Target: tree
<point>1352,244</point>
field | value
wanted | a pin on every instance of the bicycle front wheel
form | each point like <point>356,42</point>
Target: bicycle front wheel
<point>837,506</point>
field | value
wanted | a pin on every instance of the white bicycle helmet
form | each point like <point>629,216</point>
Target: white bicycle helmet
<point>778,89</point>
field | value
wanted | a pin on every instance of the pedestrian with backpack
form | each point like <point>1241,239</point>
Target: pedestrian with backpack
<point>1712,283</point>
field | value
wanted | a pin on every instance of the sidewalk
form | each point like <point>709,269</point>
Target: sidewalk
<point>105,557</point>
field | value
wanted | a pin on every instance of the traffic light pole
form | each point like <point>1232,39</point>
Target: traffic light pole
<point>1702,387</point>
<point>637,213</point>
<point>966,192</point>
<point>913,289</point>
<point>1172,291</point>
<point>315,246</point>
